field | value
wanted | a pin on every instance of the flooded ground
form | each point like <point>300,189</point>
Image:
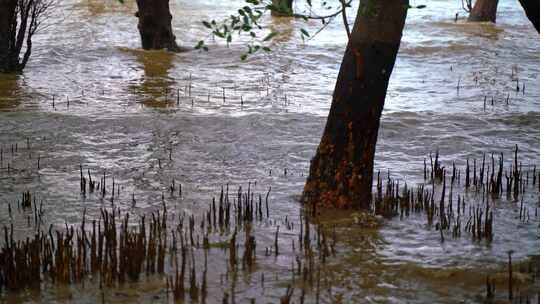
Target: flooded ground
<point>90,96</point>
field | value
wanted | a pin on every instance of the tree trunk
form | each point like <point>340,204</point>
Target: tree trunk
<point>155,25</point>
<point>532,9</point>
<point>484,11</point>
<point>7,32</point>
<point>284,8</point>
<point>341,172</point>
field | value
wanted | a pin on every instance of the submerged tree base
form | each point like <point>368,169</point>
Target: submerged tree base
<point>155,26</point>
<point>282,8</point>
<point>336,184</point>
<point>484,11</point>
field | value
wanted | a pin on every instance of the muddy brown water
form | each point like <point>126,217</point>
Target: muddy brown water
<point>124,117</point>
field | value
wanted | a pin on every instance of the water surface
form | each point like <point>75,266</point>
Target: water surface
<point>123,110</point>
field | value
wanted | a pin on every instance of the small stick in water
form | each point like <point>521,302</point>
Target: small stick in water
<point>223,95</point>
<point>510,291</point>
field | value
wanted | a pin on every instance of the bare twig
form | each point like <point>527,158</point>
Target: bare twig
<point>344,15</point>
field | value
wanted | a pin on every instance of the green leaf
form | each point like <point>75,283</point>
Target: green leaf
<point>199,45</point>
<point>207,24</point>
<point>304,32</point>
<point>219,34</point>
<point>270,36</point>
<point>421,6</point>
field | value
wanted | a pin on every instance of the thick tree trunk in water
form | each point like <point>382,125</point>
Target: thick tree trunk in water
<point>155,25</point>
<point>341,172</point>
<point>7,38</point>
<point>484,11</point>
<point>532,9</point>
<point>285,8</point>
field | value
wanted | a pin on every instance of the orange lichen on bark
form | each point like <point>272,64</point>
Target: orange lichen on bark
<point>338,189</point>
<point>359,59</point>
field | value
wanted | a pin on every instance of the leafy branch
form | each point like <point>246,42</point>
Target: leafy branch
<point>247,21</point>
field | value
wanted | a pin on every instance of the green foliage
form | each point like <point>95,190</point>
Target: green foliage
<point>201,45</point>
<point>246,22</point>
<point>270,36</point>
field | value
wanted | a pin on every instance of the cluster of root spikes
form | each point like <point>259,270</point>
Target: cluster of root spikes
<point>115,247</point>
<point>9,153</point>
<point>442,198</point>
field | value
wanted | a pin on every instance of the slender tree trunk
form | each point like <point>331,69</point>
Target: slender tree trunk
<point>341,172</point>
<point>484,11</point>
<point>284,6</point>
<point>532,9</point>
<point>7,32</point>
<point>155,25</point>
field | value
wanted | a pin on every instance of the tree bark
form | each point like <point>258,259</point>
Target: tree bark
<point>7,34</point>
<point>285,8</point>
<point>532,9</point>
<point>155,25</point>
<point>484,11</point>
<point>341,173</point>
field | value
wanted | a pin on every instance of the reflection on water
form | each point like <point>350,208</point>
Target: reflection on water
<point>156,84</point>
<point>10,92</point>
<point>96,8</point>
<point>271,120</point>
